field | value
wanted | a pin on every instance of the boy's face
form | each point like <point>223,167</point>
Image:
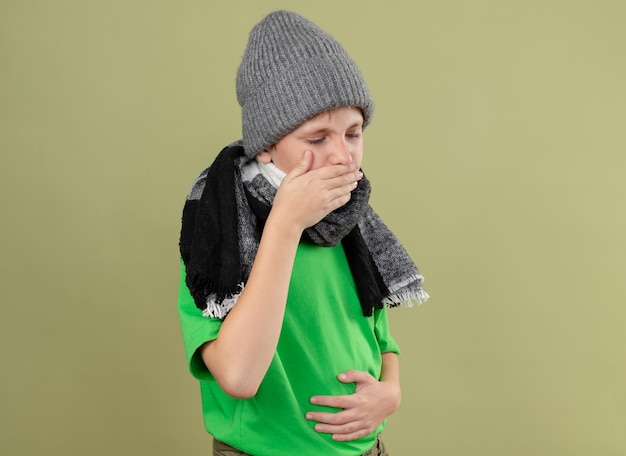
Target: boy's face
<point>334,137</point>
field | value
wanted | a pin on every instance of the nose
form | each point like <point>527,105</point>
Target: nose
<point>341,153</point>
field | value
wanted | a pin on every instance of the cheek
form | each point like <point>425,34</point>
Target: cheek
<point>286,156</point>
<point>286,164</point>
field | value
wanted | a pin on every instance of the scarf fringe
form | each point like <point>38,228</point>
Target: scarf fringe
<point>406,298</point>
<point>219,308</point>
<point>407,293</point>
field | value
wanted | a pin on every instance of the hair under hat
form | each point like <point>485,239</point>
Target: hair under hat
<point>291,71</point>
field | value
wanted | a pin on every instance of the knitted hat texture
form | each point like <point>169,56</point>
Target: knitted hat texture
<point>291,71</point>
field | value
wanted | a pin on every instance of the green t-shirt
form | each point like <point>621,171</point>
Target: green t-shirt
<point>324,333</point>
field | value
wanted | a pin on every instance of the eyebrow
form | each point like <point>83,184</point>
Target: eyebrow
<point>317,131</point>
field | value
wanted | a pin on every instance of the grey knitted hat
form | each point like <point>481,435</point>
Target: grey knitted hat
<point>291,71</point>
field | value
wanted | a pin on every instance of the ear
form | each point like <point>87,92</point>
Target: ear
<point>264,156</point>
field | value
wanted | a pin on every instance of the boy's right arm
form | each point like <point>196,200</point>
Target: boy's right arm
<point>240,356</point>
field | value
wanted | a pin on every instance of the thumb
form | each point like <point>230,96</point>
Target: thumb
<point>303,165</point>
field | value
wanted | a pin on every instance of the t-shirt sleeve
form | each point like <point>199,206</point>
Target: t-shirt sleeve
<point>386,342</point>
<point>196,329</point>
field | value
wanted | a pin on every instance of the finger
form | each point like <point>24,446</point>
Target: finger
<point>337,418</point>
<point>348,431</point>
<point>339,437</point>
<point>340,196</point>
<point>350,176</point>
<point>347,428</point>
<point>340,402</point>
<point>336,171</point>
<point>303,165</point>
<point>340,189</point>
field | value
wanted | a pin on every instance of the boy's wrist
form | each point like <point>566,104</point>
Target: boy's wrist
<point>282,227</point>
<point>394,394</point>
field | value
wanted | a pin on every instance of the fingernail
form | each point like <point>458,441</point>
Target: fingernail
<point>313,400</point>
<point>309,416</point>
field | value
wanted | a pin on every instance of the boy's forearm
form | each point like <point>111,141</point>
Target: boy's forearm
<point>243,351</point>
<point>390,374</point>
<point>390,367</point>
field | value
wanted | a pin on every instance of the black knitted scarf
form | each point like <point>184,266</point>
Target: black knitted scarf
<point>223,219</point>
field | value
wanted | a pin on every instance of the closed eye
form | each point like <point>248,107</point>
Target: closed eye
<point>355,132</point>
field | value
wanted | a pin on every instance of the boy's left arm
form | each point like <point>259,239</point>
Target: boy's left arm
<point>364,410</point>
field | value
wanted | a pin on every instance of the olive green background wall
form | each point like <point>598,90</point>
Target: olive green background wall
<point>497,154</point>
